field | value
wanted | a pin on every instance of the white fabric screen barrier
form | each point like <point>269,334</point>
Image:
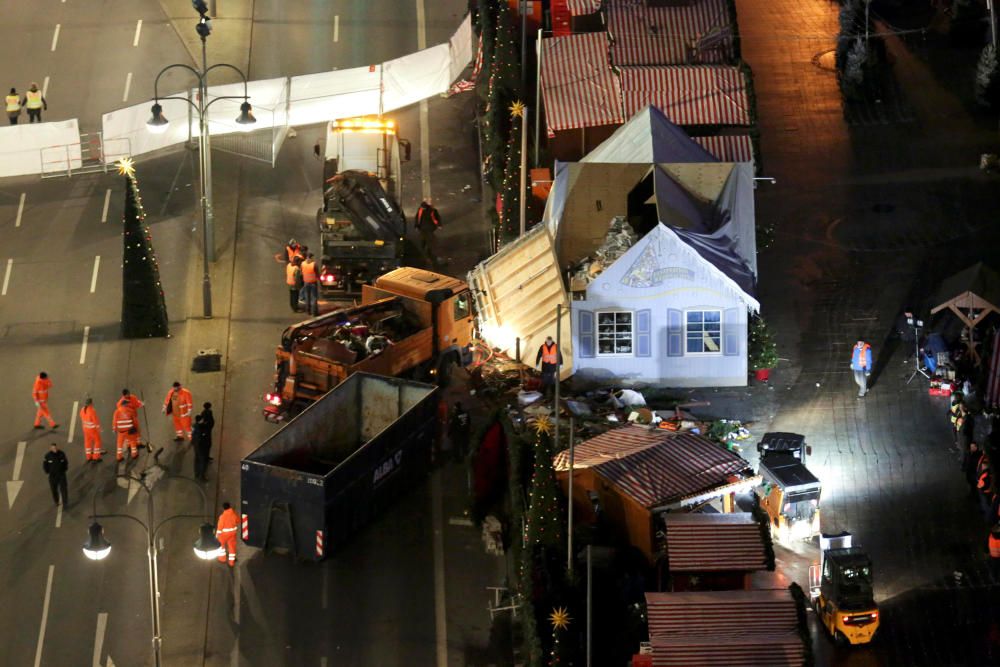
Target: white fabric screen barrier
<point>130,123</point>
<point>311,98</point>
<point>318,98</point>
<point>25,149</point>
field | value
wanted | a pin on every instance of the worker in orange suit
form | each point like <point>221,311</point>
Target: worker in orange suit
<point>179,404</point>
<point>225,532</point>
<point>127,427</point>
<point>131,400</point>
<point>91,431</point>
<point>40,394</point>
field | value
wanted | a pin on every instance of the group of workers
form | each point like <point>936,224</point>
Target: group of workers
<point>178,403</point>
<point>33,101</point>
<point>972,430</point>
<point>302,278</point>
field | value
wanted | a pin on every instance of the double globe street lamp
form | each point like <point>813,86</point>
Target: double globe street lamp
<point>206,547</point>
<point>158,124</point>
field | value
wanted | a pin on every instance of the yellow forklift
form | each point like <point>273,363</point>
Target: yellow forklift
<point>841,590</point>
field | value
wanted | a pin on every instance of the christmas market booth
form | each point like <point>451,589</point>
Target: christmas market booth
<point>633,475</point>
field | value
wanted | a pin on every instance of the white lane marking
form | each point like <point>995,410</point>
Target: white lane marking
<point>336,28</point>
<point>20,209</point>
<point>6,276</point>
<point>138,29</point>
<point>128,84</point>
<point>440,613</point>
<point>45,617</point>
<point>107,201</point>
<point>133,488</point>
<point>72,421</point>
<point>59,516</point>
<point>460,521</point>
<point>83,348</point>
<point>111,663</point>
<point>102,628</point>
<point>55,36</point>
<point>45,87</point>
<point>14,486</point>
<point>93,276</point>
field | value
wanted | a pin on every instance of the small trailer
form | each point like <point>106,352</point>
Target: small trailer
<point>330,470</point>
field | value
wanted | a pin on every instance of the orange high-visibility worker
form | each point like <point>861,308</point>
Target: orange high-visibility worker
<point>91,431</point>
<point>40,394</point>
<point>225,532</point>
<point>131,400</point>
<point>179,404</point>
<point>127,427</point>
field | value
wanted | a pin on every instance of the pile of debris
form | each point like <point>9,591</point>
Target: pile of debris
<point>617,241</point>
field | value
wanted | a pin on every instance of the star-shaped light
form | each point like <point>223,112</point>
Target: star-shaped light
<point>560,618</point>
<point>126,167</point>
<point>517,109</point>
<point>543,425</point>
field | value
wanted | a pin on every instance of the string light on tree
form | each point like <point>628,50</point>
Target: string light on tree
<point>144,310</point>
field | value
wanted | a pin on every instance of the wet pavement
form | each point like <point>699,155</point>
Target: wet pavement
<point>873,206</point>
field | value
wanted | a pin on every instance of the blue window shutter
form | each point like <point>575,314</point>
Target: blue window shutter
<point>643,327</point>
<point>675,333</point>
<point>585,334</point>
<point>730,331</point>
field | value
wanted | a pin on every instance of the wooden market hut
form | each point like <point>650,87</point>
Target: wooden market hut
<point>635,474</point>
<point>971,295</point>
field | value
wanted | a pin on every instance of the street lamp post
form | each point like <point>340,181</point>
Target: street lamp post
<point>97,547</point>
<point>158,123</point>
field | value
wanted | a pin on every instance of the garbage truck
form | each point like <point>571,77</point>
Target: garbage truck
<point>361,224</point>
<point>410,321</point>
<point>332,469</point>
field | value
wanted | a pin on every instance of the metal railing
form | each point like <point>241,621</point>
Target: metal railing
<point>90,155</point>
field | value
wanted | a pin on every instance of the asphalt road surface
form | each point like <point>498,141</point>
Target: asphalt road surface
<point>408,591</point>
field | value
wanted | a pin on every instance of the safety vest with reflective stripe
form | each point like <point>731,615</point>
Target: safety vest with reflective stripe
<point>228,522</point>
<point>290,272</point>
<point>292,252</point>
<point>309,272</point>
<point>131,401</point>
<point>124,420</point>
<point>13,103</point>
<point>550,354</point>
<point>88,417</point>
<point>33,99</point>
<point>994,546</point>
<point>40,392</point>
<point>181,400</point>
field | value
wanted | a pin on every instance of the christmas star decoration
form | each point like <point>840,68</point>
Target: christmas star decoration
<point>543,425</point>
<point>126,167</point>
<point>517,109</point>
<point>560,618</point>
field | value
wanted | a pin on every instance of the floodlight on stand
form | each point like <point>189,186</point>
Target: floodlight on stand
<point>207,546</point>
<point>97,546</point>
<point>246,118</point>
<point>158,123</point>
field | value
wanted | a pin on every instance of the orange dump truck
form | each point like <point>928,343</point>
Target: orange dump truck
<point>411,321</point>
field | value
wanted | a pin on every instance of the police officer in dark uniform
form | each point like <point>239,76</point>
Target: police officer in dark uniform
<point>55,466</point>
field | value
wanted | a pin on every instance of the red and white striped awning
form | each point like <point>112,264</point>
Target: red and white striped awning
<point>725,628</point>
<point>699,32</point>
<point>708,650</point>
<point>578,86</point>
<point>656,467</point>
<point>728,147</point>
<point>714,543</point>
<point>582,7</point>
<point>688,95</point>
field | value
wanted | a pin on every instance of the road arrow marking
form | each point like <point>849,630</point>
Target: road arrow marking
<point>14,486</point>
<point>133,488</point>
<point>102,626</point>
